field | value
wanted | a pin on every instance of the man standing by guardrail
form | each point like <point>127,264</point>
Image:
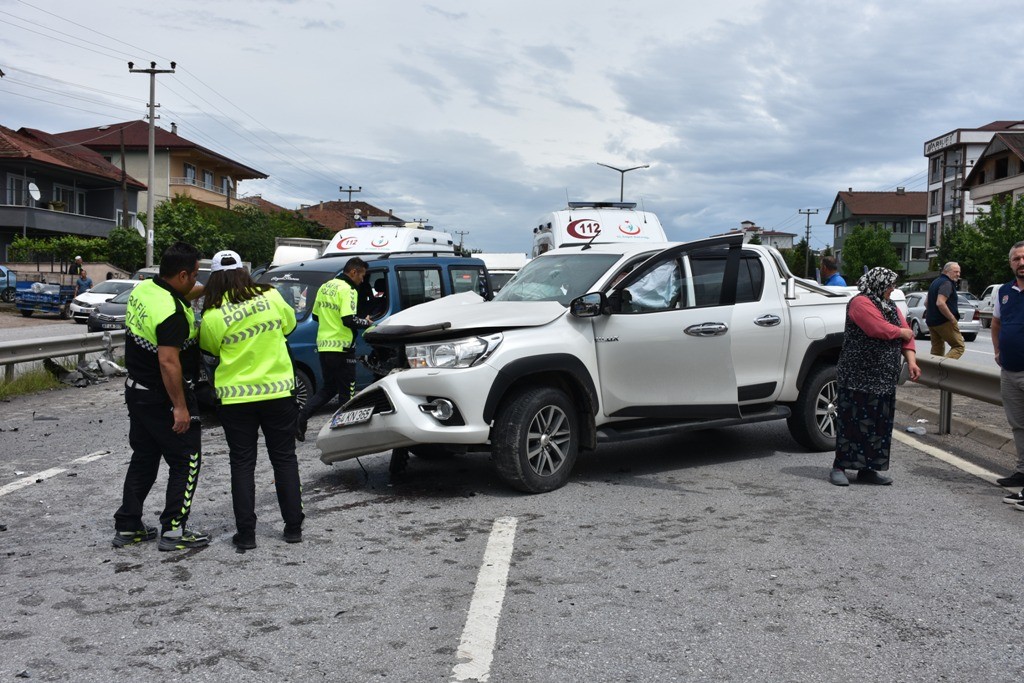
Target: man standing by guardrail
<point>1008,344</point>
<point>942,315</point>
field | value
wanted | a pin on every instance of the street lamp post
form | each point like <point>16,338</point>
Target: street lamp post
<point>622,177</point>
<point>152,71</point>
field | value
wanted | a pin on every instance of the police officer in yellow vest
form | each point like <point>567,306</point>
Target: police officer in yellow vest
<point>335,311</point>
<point>162,358</point>
<point>245,324</point>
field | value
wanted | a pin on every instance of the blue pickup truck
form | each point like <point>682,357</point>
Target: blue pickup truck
<point>393,282</point>
<point>39,297</point>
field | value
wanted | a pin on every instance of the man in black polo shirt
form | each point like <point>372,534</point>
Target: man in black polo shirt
<point>162,359</point>
<point>942,315</point>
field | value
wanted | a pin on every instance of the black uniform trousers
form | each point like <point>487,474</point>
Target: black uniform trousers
<point>242,422</point>
<point>151,437</point>
<point>339,371</point>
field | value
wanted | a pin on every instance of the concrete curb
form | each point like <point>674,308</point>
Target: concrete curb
<point>983,434</point>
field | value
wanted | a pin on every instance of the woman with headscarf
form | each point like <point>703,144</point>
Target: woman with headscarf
<point>869,368</point>
<point>245,323</point>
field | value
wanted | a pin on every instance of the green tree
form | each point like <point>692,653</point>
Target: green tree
<point>126,249</point>
<point>867,246</point>
<point>982,249</point>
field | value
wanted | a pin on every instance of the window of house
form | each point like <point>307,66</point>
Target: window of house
<point>190,174</point>
<point>936,166</point>
<point>1002,168</point>
<point>225,185</point>
<point>17,191</point>
<point>131,219</point>
<point>917,254</point>
<point>933,201</point>
<point>919,227</point>
<point>901,253</point>
<point>72,199</point>
<point>208,179</point>
<point>899,226</point>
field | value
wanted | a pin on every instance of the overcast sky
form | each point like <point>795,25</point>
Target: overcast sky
<point>480,116</point>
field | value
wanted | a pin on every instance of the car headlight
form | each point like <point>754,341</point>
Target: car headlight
<point>456,353</point>
<point>77,303</point>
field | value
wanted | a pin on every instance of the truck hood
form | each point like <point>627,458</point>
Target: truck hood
<point>464,313</point>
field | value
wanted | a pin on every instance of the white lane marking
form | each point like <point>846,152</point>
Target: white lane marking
<point>953,460</point>
<point>27,481</point>
<point>92,456</point>
<point>476,648</point>
<point>46,474</point>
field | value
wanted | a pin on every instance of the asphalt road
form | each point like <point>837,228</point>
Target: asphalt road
<point>717,556</point>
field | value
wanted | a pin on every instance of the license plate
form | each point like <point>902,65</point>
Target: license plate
<point>351,417</point>
<point>110,326</point>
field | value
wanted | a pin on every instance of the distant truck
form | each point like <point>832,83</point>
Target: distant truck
<point>598,223</point>
<point>502,266</point>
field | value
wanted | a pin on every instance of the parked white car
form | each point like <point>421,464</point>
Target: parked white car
<point>970,321</point>
<point>85,303</point>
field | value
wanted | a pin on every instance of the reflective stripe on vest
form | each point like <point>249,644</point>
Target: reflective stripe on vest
<point>245,391</point>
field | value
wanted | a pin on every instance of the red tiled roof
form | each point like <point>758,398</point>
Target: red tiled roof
<point>263,205</point>
<point>136,138</point>
<point>52,150</point>
<point>885,203</point>
<point>338,215</point>
<point>1001,125</point>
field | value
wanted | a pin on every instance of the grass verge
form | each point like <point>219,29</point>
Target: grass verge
<point>28,383</point>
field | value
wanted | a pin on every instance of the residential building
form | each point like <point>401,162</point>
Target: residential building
<point>54,187</point>
<point>901,213</point>
<point>771,238</point>
<point>950,159</point>
<point>999,169</point>
<point>181,167</point>
<point>339,215</point>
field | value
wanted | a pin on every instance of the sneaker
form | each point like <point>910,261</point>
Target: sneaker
<point>123,538</point>
<point>244,540</point>
<point>1014,498</point>
<point>1015,479</point>
<point>873,477</point>
<point>293,533</point>
<point>1019,506</point>
<point>188,539</point>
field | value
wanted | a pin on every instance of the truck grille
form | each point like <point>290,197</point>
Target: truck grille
<point>376,399</point>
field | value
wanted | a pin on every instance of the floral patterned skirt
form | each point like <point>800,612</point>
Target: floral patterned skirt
<point>864,429</point>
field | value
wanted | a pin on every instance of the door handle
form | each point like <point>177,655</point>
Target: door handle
<point>707,330</point>
<point>768,320</point>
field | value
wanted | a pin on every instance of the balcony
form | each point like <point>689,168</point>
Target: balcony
<point>206,193</point>
<point>14,217</point>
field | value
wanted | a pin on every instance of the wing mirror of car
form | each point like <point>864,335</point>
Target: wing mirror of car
<point>589,305</point>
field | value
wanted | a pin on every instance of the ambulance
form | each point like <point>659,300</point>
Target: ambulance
<point>596,222</point>
<point>388,240</point>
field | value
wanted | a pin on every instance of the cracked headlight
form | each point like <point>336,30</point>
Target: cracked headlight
<point>456,353</point>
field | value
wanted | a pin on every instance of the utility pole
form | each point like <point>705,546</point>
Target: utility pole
<point>350,191</point>
<point>461,234</point>
<point>622,177</point>
<point>152,71</point>
<point>807,263</point>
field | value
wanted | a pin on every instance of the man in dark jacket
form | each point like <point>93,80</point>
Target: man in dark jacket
<point>942,315</point>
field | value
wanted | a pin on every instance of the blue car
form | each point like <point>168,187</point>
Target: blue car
<point>393,282</point>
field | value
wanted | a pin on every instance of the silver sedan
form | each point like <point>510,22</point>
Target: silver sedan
<point>970,322</point>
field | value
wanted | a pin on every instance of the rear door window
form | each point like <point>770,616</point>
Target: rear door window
<point>418,285</point>
<point>467,279</point>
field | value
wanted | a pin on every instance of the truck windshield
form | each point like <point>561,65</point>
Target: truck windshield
<point>561,277</point>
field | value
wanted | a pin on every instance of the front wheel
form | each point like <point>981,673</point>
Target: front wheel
<point>536,439</point>
<point>7,295</point>
<point>916,328</point>
<point>814,422</point>
<point>970,337</point>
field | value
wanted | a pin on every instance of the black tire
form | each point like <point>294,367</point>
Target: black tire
<point>303,388</point>
<point>970,337</point>
<point>80,322</point>
<point>7,296</point>
<point>541,421</point>
<point>27,314</point>
<point>986,323</point>
<point>813,423</point>
<point>916,327</point>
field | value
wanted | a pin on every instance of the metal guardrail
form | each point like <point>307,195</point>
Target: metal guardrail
<point>956,376</point>
<point>14,352</point>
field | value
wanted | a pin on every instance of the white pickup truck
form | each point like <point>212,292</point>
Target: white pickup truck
<point>600,343</point>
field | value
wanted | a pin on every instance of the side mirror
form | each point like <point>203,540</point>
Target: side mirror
<point>588,306</point>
